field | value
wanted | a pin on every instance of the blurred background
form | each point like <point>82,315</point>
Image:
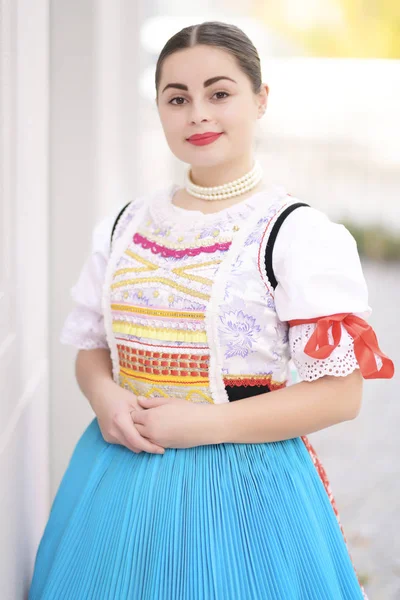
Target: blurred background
<point>80,136</point>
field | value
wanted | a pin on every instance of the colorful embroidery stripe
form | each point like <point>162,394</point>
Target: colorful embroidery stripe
<point>126,270</point>
<point>178,380</point>
<point>140,259</point>
<point>163,363</point>
<point>148,345</point>
<point>252,380</point>
<point>144,388</point>
<point>160,355</point>
<point>158,313</point>
<point>172,335</point>
<point>178,253</point>
<point>165,281</point>
<point>200,241</point>
<point>181,271</point>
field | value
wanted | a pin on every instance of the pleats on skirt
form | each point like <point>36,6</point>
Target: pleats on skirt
<point>217,522</point>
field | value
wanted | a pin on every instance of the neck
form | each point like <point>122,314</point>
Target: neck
<point>222,173</point>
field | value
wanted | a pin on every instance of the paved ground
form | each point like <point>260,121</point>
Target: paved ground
<point>362,456</point>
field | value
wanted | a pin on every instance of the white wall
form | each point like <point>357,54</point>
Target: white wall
<point>24,497</point>
<point>72,211</point>
<point>95,59</point>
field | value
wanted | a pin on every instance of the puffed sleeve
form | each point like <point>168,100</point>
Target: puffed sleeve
<point>323,295</point>
<point>84,325</point>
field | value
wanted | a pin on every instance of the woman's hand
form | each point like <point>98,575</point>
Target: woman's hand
<point>112,409</point>
<point>176,422</point>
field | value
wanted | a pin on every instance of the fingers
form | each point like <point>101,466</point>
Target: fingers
<point>152,402</point>
<point>141,429</point>
<point>138,417</point>
<point>133,437</point>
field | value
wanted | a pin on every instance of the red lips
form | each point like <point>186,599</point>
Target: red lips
<point>200,139</point>
<point>200,136</point>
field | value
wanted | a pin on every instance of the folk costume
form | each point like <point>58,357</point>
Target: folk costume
<point>211,308</point>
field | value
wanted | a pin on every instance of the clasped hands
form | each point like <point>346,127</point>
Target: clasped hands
<point>153,424</point>
<point>172,422</point>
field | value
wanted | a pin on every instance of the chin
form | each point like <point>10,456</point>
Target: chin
<point>202,159</point>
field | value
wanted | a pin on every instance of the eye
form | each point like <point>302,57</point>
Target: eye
<point>226,95</point>
<point>176,98</point>
<point>180,100</point>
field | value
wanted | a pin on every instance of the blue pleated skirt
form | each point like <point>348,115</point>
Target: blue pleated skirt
<point>217,522</point>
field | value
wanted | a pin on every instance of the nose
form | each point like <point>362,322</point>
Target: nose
<point>198,113</point>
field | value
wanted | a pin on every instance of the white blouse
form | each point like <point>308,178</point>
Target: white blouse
<point>317,267</point>
<point>84,326</point>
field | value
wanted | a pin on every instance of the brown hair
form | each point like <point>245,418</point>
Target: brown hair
<point>219,35</point>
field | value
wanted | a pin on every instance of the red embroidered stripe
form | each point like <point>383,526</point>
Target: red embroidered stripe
<point>164,251</point>
<point>251,380</point>
<point>163,363</point>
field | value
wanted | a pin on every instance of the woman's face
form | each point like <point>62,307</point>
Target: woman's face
<point>190,102</point>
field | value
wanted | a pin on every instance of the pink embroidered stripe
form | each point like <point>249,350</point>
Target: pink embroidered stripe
<point>158,249</point>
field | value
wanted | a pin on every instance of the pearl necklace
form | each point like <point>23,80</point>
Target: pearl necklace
<point>227,190</point>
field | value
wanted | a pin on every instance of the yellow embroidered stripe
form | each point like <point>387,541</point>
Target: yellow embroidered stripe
<point>199,393</point>
<point>172,335</point>
<point>132,270</point>
<point>140,392</point>
<point>182,271</point>
<point>159,391</point>
<point>163,280</point>
<point>198,265</point>
<point>193,277</point>
<point>176,380</point>
<point>140,259</point>
<point>160,313</point>
<point>148,265</point>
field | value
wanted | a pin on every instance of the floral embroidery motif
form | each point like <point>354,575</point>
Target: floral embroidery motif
<point>242,329</point>
<point>254,237</point>
<point>236,265</point>
<point>228,289</point>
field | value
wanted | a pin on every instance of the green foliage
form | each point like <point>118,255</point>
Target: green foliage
<point>375,242</point>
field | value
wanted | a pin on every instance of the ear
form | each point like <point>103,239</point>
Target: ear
<point>262,99</point>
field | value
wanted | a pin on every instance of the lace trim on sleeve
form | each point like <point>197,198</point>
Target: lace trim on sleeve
<point>84,329</point>
<point>341,362</point>
<point>329,334</point>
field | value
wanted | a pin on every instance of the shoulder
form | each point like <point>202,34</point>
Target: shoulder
<point>103,228</point>
<point>151,200</point>
<point>317,267</point>
<point>307,229</point>
<point>305,217</point>
<point>114,223</point>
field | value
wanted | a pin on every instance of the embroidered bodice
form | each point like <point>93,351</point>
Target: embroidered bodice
<point>183,301</point>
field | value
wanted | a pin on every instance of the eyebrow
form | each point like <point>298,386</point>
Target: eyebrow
<point>208,82</point>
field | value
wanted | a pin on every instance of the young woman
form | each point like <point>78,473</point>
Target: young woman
<point>195,480</point>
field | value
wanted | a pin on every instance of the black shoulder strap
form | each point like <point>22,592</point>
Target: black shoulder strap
<point>272,238</point>
<point>117,219</point>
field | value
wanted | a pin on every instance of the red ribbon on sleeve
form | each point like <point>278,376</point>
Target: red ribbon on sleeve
<point>365,342</point>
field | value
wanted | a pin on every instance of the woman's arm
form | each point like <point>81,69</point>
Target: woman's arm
<point>93,371</point>
<point>290,412</point>
<point>110,402</point>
